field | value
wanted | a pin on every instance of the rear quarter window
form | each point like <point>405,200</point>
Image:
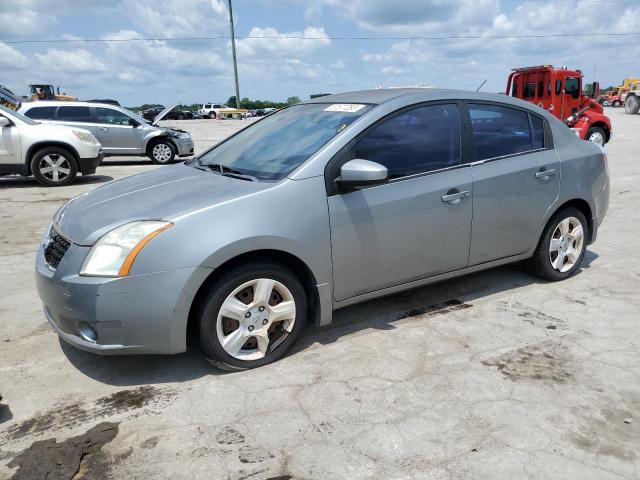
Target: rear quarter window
<point>41,113</point>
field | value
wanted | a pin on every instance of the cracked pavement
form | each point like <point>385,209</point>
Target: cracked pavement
<point>494,375</point>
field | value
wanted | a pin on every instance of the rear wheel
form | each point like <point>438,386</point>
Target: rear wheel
<point>562,246</point>
<point>252,316</point>
<point>632,105</point>
<point>161,152</point>
<point>54,167</point>
<point>616,103</point>
<point>596,135</point>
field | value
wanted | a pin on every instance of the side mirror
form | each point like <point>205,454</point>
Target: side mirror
<point>360,173</point>
<point>133,123</point>
<point>595,90</point>
<point>4,122</point>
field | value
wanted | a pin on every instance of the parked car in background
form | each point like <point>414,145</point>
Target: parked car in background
<point>120,131</point>
<point>53,154</point>
<point>218,110</point>
<point>173,114</point>
<point>376,192</point>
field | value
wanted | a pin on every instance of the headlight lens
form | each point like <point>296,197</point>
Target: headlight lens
<point>114,253</point>
<point>86,137</point>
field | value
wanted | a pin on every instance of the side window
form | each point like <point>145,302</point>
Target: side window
<point>113,117</point>
<point>499,131</point>
<point>416,141</point>
<point>540,89</point>
<point>74,114</point>
<point>537,132</point>
<point>529,90</point>
<point>41,113</point>
<point>572,87</point>
<point>514,89</point>
<point>208,105</point>
<point>558,86</point>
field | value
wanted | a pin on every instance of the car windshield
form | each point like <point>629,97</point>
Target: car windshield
<point>19,116</point>
<point>275,146</point>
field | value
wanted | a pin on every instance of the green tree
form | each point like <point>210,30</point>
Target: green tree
<point>293,100</point>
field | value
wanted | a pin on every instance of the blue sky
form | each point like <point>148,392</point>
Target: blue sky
<point>137,72</point>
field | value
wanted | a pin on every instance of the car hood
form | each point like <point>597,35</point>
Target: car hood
<point>163,114</point>
<point>163,194</point>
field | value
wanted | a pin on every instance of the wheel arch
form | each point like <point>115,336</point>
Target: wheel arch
<point>49,143</point>
<point>297,266</point>
<point>581,205</point>
<point>603,126</point>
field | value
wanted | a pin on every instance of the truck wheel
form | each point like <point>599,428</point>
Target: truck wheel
<point>596,135</point>
<point>54,167</point>
<point>632,105</point>
<point>161,152</point>
<point>616,103</point>
<point>180,116</point>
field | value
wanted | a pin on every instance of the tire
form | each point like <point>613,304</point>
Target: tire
<point>161,152</point>
<point>544,262</point>
<point>213,115</point>
<point>596,135</point>
<point>632,105</point>
<point>236,287</point>
<point>54,167</point>
<point>180,116</point>
<point>616,103</point>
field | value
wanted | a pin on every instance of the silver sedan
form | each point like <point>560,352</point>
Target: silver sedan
<point>319,206</point>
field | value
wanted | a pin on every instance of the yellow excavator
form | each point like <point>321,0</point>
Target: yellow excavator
<point>47,92</point>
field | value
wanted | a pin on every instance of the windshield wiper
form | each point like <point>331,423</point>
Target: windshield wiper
<point>227,171</point>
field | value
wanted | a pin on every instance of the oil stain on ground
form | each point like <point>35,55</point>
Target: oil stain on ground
<point>75,458</point>
<point>68,416</point>
<point>435,309</point>
<point>548,360</point>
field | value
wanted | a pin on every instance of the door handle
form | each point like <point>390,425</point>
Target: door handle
<point>104,128</point>
<point>455,197</point>
<point>546,173</point>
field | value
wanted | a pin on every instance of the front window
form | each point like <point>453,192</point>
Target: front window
<point>111,116</point>
<point>572,87</point>
<point>272,148</point>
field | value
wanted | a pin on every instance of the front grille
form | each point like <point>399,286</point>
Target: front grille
<point>56,247</point>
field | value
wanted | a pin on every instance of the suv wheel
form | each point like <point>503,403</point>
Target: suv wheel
<point>54,167</point>
<point>562,245</point>
<point>161,152</point>
<point>252,316</point>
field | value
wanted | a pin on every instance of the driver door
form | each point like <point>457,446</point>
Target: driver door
<point>419,223</point>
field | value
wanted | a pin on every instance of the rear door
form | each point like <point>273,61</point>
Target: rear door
<point>116,133</point>
<point>76,116</point>
<point>416,225</point>
<point>516,179</point>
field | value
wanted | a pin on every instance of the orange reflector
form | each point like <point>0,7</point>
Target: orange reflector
<point>128,262</point>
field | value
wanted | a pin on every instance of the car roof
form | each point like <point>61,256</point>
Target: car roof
<point>58,103</point>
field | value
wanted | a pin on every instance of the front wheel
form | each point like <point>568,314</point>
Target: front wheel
<point>252,316</point>
<point>596,135</point>
<point>54,167</point>
<point>616,103</point>
<point>562,245</point>
<point>161,152</point>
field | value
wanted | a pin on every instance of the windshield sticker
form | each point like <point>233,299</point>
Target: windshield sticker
<point>344,107</point>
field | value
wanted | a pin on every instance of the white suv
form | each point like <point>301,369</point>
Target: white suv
<point>53,154</point>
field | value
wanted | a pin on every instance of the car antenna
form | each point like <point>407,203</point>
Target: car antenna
<point>481,85</point>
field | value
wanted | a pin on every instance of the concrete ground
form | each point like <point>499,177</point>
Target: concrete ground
<point>496,375</point>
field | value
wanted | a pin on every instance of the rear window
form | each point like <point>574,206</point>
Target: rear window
<point>41,113</point>
<point>74,114</point>
<point>529,90</point>
<point>499,131</point>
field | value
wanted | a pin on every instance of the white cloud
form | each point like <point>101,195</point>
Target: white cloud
<point>10,58</point>
<point>279,44</point>
<point>70,61</point>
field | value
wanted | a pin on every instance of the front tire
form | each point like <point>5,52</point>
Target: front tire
<point>252,316</point>
<point>54,167</point>
<point>632,105</point>
<point>562,245</point>
<point>616,103</point>
<point>596,135</point>
<point>161,152</point>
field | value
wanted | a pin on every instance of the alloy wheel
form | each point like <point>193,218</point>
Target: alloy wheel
<point>596,137</point>
<point>566,244</point>
<point>162,152</point>
<point>255,319</point>
<point>54,167</point>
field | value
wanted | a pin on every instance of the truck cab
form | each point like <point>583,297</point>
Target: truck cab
<point>559,91</point>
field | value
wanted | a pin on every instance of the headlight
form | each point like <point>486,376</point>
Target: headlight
<point>86,137</point>
<point>114,253</point>
<point>185,135</point>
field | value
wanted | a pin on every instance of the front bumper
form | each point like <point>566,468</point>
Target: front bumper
<point>127,315</point>
<point>88,166</point>
<point>184,145</point>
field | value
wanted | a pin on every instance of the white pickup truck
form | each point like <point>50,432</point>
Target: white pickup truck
<point>219,110</point>
<point>53,154</point>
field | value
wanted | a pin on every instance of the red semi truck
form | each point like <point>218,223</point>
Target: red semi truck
<point>559,91</point>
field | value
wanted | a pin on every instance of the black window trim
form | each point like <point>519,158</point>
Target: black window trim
<point>337,161</point>
<point>92,114</point>
<point>548,139</point>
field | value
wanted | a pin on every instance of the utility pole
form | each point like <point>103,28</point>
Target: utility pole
<point>233,49</point>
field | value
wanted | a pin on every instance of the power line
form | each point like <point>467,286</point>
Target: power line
<point>303,37</point>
